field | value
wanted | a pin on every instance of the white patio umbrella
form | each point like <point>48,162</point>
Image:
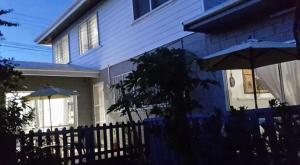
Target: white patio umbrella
<point>49,92</point>
<point>250,55</point>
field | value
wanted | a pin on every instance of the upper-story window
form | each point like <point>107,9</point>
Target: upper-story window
<point>88,34</point>
<point>141,7</point>
<point>61,49</point>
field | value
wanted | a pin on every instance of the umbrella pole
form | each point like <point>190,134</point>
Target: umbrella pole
<point>254,87</point>
<point>49,97</point>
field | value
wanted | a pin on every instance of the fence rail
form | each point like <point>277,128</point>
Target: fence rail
<point>85,144</point>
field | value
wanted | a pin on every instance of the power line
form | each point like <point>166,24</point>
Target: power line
<point>21,22</point>
<point>35,17</point>
<point>25,45</point>
<point>24,48</point>
<point>24,20</point>
<point>33,52</point>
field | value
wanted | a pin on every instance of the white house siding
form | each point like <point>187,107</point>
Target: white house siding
<point>122,38</point>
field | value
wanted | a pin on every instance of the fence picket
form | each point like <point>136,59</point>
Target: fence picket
<point>31,142</point>
<point>48,142</point>
<point>105,141</point>
<point>57,143</point>
<point>22,140</point>
<point>129,136</point>
<point>65,145</point>
<point>123,138</point>
<point>98,141</point>
<point>111,140</point>
<point>72,148</point>
<point>40,138</point>
<point>118,140</point>
<point>140,138</point>
<point>80,144</point>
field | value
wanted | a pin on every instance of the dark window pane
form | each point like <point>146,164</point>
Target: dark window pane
<point>156,3</point>
<point>140,7</point>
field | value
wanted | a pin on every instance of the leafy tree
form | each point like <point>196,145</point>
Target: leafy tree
<point>162,85</point>
<point>12,115</point>
<point>6,23</point>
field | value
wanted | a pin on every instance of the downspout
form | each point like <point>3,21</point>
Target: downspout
<point>108,76</point>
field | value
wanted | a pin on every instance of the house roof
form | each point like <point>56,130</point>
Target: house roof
<point>233,13</point>
<point>50,69</point>
<point>79,8</point>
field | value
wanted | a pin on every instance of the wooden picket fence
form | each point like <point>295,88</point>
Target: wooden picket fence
<point>86,144</point>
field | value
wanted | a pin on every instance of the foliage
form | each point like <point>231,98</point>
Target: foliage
<point>162,83</point>
<point>12,115</point>
<point>6,23</point>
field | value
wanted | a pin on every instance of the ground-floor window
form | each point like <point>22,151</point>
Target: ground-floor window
<point>63,112</point>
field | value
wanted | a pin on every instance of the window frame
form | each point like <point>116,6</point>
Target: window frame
<point>90,48</point>
<point>60,43</point>
<point>151,9</point>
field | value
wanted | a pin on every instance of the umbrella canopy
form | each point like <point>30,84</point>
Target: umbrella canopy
<point>50,91</point>
<point>251,54</point>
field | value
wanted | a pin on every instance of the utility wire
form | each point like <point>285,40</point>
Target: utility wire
<point>24,48</point>
<point>25,45</point>
<point>34,17</point>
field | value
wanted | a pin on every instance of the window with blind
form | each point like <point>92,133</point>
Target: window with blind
<point>116,80</point>
<point>141,7</point>
<point>88,34</point>
<point>61,50</point>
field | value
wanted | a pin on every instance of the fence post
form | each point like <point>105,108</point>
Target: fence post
<point>89,143</point>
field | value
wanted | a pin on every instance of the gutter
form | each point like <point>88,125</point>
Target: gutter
<point>215,11</point>
<point>64,73</point>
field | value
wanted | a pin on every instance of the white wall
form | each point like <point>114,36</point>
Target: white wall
<point>238,98</point>
<point>122,38</point>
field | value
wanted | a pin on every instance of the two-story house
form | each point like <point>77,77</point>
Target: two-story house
<point>94,39</point>
<point>92,43</point>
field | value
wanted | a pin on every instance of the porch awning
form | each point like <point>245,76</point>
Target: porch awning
<point>50,69</point>
<point>233,13</point>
